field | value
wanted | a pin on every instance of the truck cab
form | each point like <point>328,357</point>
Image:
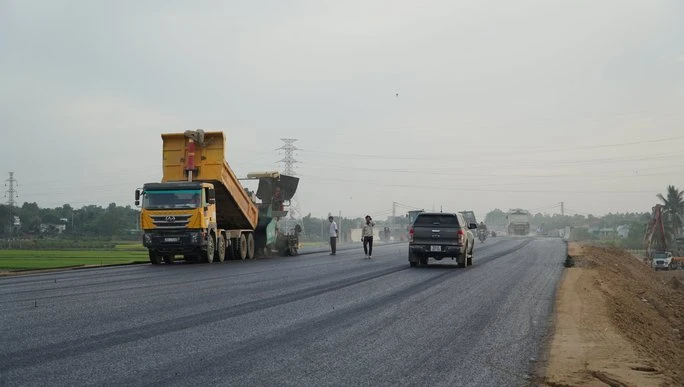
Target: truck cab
<point>176,218</point>
<point>662,260</point>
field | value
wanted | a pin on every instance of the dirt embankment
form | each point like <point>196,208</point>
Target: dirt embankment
<point>617,323</point>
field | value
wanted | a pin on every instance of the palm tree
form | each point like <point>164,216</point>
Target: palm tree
<point>673,209</point>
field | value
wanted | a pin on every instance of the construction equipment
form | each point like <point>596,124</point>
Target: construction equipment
<point>656,243</point>
<point>655,237</point>
<point>274,189</point>
<point>518,222</point>
<point>201,211</point>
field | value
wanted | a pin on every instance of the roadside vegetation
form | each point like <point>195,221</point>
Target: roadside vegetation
<point>20,260</point>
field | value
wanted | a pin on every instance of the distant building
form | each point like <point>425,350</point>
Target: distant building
<point>52,228</point>
<point>606,232</point>
<point>623,231</point>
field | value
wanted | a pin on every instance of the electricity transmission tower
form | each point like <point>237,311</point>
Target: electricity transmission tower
<point>289,160</point>
<point>288,169</point>
<point>11,194</point>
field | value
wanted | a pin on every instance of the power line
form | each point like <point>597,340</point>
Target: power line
<point>448,172</point>
<point>527,150</point>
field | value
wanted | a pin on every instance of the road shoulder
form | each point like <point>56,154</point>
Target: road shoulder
<point>616,323</point>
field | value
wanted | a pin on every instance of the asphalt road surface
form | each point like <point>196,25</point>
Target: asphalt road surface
<point>310,320</point>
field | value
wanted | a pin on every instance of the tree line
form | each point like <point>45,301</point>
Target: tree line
<point>116,222</point>
<point>673,213</point>
<point>92,221</point>
<point>122,223</point>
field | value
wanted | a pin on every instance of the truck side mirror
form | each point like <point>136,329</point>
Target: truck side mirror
<point>137,197</point>
<point>212,196</point>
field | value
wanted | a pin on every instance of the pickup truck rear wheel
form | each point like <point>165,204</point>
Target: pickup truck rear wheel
<point>463,259</point>
<point>423,261</point>
<point>168,259</point>
<point>413,260</point>
<point>155,259</point>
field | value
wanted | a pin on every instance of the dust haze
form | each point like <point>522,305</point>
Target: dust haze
<point>446,104</point>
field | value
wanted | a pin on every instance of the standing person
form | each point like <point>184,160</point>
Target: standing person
<point>367,233</point>
<point>333,235</point>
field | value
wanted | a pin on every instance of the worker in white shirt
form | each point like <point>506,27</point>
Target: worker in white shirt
<point>367,233</point>
<point>333,236</point>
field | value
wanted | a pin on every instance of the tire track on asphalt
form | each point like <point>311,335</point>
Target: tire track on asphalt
<point>306,331</point>
<point>71,290</point>
<point>247,351</point>
<point>67,283</point>
<point>29,357</point>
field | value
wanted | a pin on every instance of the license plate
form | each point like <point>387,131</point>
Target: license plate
<point>435,248</point>
<point>171,239</point>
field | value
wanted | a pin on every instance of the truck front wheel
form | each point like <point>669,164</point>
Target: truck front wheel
<point>155,259</point>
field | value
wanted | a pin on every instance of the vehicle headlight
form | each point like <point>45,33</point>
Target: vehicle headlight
<point>147,239</point>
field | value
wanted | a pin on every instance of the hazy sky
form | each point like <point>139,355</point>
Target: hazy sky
<point>501,103</point>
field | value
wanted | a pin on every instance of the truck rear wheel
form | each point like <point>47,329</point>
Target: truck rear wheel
<point>221,248</point>
<point>211,248</point>
<point>168,258</point>
<point>155,259</point>
<point>242,247</point>
<point>250,246</point>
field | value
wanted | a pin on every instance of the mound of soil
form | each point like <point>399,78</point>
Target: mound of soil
<point>617,322</point>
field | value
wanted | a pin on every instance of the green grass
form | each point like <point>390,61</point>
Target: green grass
<point>129,246</point>
<point>16,260</point>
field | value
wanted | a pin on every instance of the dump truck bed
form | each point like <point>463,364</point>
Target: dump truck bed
<point>234,208</point>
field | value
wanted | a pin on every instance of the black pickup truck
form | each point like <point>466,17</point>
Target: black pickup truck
<point>441,235</point>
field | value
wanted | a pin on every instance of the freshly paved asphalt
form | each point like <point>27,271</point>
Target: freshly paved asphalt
<point>310,320</point>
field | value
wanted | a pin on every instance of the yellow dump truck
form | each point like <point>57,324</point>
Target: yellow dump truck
<point>201,212</point>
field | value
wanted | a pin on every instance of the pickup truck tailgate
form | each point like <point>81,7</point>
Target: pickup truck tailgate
<point>436,229</point>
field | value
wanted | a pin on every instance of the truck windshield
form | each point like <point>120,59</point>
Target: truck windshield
<point>166,199</point>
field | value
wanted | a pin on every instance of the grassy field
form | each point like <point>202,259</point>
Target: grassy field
<point>17,260</point>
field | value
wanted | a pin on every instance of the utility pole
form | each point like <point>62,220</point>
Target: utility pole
<point>562,208</point>
<point>11,195</point>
